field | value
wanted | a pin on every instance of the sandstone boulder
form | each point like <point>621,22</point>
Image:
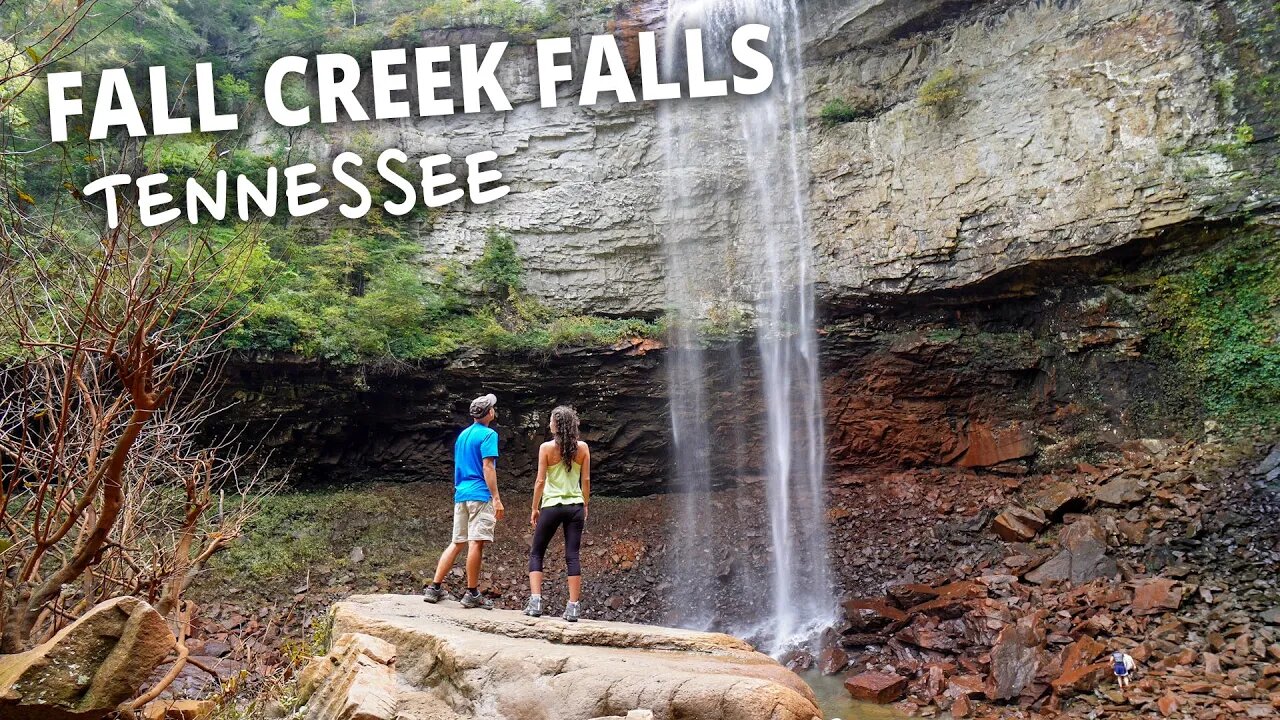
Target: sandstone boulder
<point>398,657</point>
<point>355,681</point>
<point>89,668</point>
<point>1079,671</point>
<point>832,660</point>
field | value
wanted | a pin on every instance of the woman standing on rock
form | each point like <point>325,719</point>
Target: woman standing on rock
<point>560,498</point>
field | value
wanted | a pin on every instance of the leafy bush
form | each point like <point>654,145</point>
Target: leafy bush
<point>942,91</point>
<point>234,91</point>
<point>1220,320</point>
<point>840,111</point>
<point>499,270</point>
<point>1243,134</point>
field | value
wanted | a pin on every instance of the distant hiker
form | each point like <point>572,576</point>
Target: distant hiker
<point>1122,665</point>
<point>560,497</point>
<point>477,507</point>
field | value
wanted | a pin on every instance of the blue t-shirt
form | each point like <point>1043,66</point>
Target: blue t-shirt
<point>474,445</point>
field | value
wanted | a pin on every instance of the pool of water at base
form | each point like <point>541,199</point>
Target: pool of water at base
<point>834,700</point>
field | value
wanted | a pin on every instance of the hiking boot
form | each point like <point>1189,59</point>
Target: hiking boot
<point>476,601</point>
<point>571,612</point>
<point>534,607</point>
<point>432,594</point>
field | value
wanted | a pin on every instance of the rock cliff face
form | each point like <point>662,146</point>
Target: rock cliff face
<point>997,164</point>
<point>949,382</point>
<point>1076,127</point>
<point>584,182</point>
<point>332,424</point>
<point>1072,128</point>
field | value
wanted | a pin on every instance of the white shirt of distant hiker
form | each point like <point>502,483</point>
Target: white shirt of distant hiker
<point>1122,665</point>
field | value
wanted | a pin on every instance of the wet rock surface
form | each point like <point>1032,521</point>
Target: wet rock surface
<point>880,688</point>
<point>325,423</point>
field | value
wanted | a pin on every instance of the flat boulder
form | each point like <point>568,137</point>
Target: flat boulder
<point>876,687</point>
<point>953,599</point>
<point>89,668</point>
<point>1122,491</point>
<point>1017,524</point>
<point>419,661</point>
<point>870,615</point>
<point>832,660</point>
<point>1079,671</point>
<point>1060,498</point>
<point>908,594</point>
<point>1156,595</point>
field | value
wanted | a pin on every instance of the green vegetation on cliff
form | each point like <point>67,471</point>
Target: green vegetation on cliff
<point>1218,315</point>
<point>943,90</point>
<point>344,292</point>
<point>351,296</point>
<point>840,111</point>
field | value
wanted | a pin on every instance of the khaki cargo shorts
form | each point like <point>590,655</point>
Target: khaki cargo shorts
<point>473,520</point>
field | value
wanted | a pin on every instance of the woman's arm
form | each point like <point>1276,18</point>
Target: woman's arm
<point>586,478</point>
<point>538,485</point>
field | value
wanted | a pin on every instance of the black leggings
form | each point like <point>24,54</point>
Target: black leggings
<point>549,520</point>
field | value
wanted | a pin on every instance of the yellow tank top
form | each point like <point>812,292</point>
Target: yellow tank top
<point>564,485</point>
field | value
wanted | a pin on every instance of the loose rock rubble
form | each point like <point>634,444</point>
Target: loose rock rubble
<point>1157,553</point>
<point>1164,549</point>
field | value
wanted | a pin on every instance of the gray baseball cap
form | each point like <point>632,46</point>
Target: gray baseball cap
<point>481,405</point>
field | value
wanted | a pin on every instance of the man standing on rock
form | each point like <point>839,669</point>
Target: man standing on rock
<point>477,507</point>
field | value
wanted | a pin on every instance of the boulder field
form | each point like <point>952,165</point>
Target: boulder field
<point>395,657</point>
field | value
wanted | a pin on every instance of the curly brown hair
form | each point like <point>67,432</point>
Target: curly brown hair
<point>566,434</point>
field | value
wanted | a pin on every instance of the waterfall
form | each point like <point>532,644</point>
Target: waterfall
<point>737,242</point>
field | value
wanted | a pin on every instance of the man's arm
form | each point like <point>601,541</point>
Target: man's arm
<point>491,479</point>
